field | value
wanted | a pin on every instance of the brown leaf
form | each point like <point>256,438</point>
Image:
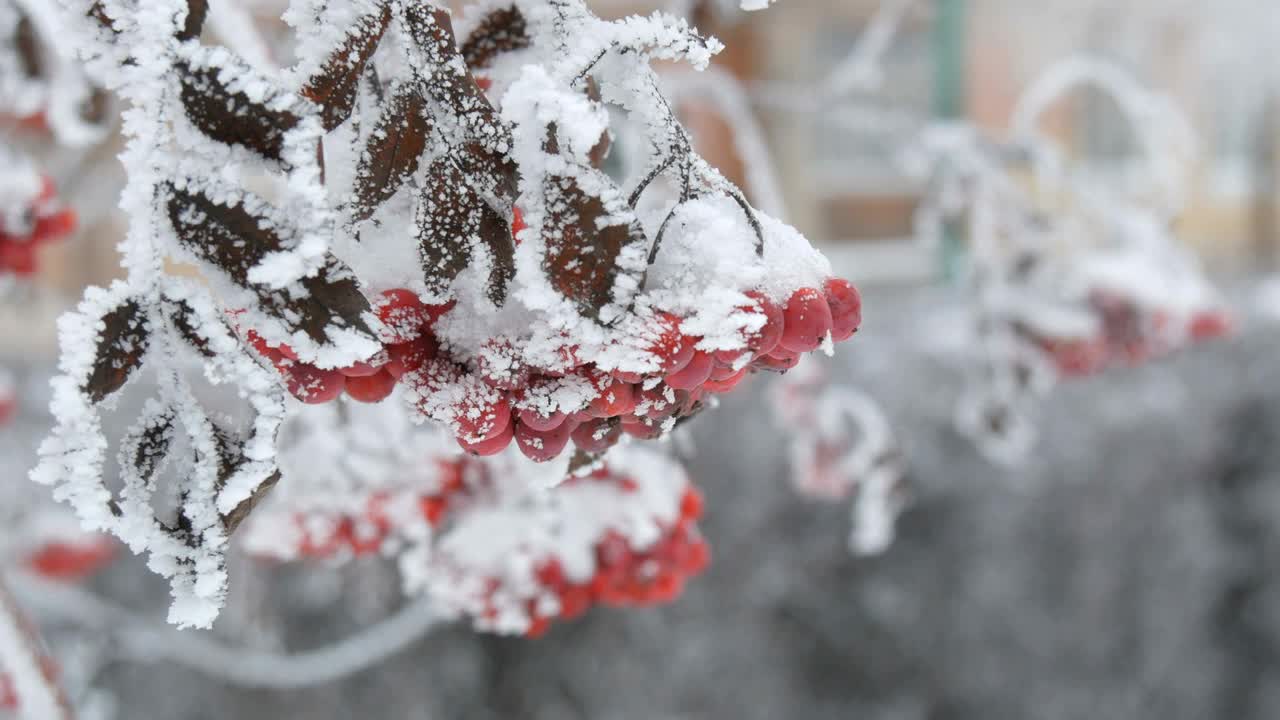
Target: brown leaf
<point>27,44</point>
<point>334,87</point>
<point>452,221</point>
<point>450,83</point>
<point>197,10</point>
<point>231,458</point>
<point>232,520</point>
<point>392,153</point>
<point>181,317</point>
<point>600,151</point>
<point>234,240</point>
<point>121,345</point>
<point>148,443</point>
<point>230,117</point>
<point>99,15</point>
<point>581,257</point>
<point>501,31</point>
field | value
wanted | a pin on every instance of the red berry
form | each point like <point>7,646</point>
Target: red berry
<point>540,422</point>
<point>808,321</point>
<point>728,358</point>
<point>53,227</point>
<point>596,435</point>
<point>616,398</point>
<point>517,223</point>
<point>628,377</point>
<point>692,375</point>
<point>779,361</point>
<point>403,315</point>
<point>501,366</point>
<point>672,349</point>
<point>846,308</point>
<point>371,388</point>
<point>643,429</point>
<point>19,257</point>
<point>691,505</point>
<point>654,404</point>
<point>481,419</point>
<point>723,372</point>
<point>726,384</point>
<point>411,356</point>
<point>364,369</point>
<point>312,385</point>
<point>70,561</point>
<point>490,446</point>
<point>541,446</point>
<point>765,339</point>
<point>1209,324</point>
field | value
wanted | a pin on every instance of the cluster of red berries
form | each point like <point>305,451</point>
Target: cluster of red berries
<point>364,533</point>
<point>625,576</point>
<point>500,398</point>
<point>1130,335</point>
<point>44,223</point>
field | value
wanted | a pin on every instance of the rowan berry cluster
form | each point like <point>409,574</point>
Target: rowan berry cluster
<point>641,551</point>
<point>1129,334</point>
<point>500,397</point>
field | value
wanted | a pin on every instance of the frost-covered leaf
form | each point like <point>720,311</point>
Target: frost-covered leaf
<point>197,10</point>
<point>121,345</point>
<point>147,444</point>
<point>234,240</point>
<point>449,81</point>
<point>502,30</point>
<point>231,458</point>
<point>453,220</point>
<point>98,13</point>
<point>333,88</point>
<point>183,320</point>
<point>585,242</point>
<point>392,153</point>
<point>229,116</point>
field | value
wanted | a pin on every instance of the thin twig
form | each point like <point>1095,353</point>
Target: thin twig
<point>147,641</point>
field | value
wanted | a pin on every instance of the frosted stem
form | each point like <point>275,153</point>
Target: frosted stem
<point>39,696</point>
<point>141,640</point>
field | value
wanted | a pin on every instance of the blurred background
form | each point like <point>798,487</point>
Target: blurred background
<point>1125,568</point>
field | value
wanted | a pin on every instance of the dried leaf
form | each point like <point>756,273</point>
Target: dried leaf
<point>148,442</point>
<point>582,256</point>
<point>181,318</point>
<point>334,87</point>
<point>232,520</point>
<point>197,10</point>
<point>392,153</point>
<point>231,117</point>
<point>99,15</point>
<point>121,345</point>
<point>234,240</point>
<point>450,83</point>
<point>452,221</point>
<point>27,44</point>
<point>503,30</point>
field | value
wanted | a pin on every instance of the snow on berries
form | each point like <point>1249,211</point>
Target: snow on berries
<point>512,563</point>
<point>410,214</point>
<point>30,217</point>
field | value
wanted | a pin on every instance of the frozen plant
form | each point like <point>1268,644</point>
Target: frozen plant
<point>1066,279</point>
<point>408,208</point>
<point>840,444</point>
